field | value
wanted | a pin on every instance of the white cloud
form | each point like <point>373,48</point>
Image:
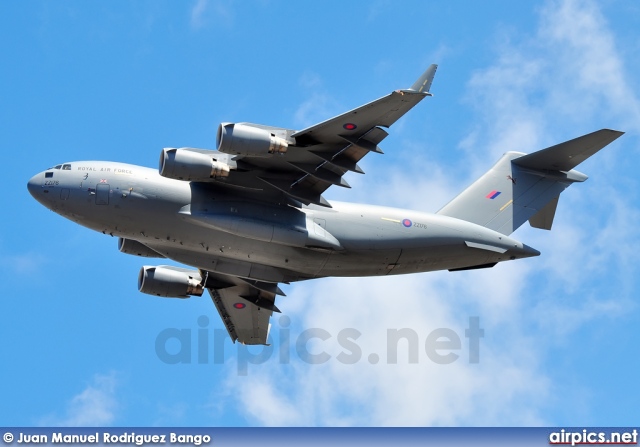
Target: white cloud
<point>377,9</point>
<point>96,405</point>
<point>205,11</point>
<point>266,403</point>
<point>508,120</point>
<point>420,185</point>
<point>318,106</point>
<point>174,413</point>
<point>23,264</point>
<point>570,72</point>
<point>590,62</point>
<point>500,389</point>
<point>197,13</point>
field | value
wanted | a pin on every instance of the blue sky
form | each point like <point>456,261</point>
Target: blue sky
<point>120,80</point>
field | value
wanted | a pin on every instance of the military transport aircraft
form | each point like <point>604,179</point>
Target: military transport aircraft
<point>251,214</point>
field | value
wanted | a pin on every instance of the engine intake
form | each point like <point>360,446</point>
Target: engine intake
<point>170,282</point>
<point>240,139</point>
<point>183,164</point>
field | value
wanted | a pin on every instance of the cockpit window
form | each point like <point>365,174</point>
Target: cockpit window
<point>48,174</point>
<point>66,167</point>
<point>57,167</point>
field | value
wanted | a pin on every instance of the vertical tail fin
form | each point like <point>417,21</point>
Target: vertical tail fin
<point>523,187</point>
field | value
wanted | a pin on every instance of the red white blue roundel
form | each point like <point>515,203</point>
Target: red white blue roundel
<point>407,223</point>
<point>239,305</point>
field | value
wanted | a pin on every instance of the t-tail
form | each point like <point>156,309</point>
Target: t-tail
<point>520,187</point>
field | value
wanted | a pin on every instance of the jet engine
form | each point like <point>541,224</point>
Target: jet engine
<point>240,139</point>
<point>170,282</point>
<point>131,247</point>
<point>183,164</point>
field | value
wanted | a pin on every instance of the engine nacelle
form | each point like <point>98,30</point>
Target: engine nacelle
<point>131,247</point>
<point>170,282</point>
<point>183,164</point>
<point>240,139</point>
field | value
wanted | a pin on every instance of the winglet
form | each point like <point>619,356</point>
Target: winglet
<point>423,84</point>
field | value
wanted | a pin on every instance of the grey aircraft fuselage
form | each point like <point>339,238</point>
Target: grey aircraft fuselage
<point>250,214</point>
<point>137,203</point>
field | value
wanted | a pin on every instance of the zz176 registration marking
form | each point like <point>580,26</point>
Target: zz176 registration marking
<point>51,183</point>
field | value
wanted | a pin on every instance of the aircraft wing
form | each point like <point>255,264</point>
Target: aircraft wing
<point>356,124</point>
<point>317,157</point>
<point>245,306</point>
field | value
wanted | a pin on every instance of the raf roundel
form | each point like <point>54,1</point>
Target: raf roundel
<point>239,305</point>
<point>407,223</point>
<point>350,126</point>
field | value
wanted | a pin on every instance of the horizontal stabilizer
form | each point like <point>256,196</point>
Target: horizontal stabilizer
<point>566,156</point>
<point>521,187</point>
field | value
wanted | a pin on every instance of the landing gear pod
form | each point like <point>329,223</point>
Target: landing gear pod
<point>131,247</point>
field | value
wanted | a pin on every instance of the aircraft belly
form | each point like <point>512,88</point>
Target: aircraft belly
<point>408,260</point>
<point>371,247</point>
<point>378,246</point>
<point>362,263</point>
<point>441,257</point>
<point>204,247</point>
<point>233,255</point>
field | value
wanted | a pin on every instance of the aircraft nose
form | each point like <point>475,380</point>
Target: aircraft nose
<point>34,183</point>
